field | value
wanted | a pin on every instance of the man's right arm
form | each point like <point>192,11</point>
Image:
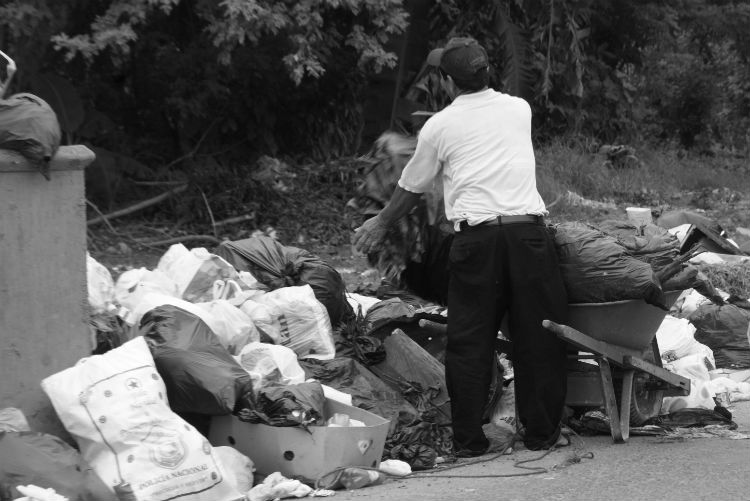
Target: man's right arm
<point>416,178</point>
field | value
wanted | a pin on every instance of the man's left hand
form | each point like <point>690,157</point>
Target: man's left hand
<point>370,235</point>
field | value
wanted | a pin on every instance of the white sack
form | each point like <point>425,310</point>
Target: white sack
<point>115,407</point>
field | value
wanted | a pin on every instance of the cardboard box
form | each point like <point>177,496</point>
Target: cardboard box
<point>296,453</point>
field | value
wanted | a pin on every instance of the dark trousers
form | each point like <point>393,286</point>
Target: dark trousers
<point>497,270</point>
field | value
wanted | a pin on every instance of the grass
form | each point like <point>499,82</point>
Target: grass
<point>664,178</point>
<point>732,278</point>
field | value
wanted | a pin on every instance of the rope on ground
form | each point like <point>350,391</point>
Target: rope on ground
<point>573,458</point>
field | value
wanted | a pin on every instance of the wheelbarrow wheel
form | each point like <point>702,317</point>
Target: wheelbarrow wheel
<point>645,401</point>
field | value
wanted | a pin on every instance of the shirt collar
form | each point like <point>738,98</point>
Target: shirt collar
<point>473,95</point>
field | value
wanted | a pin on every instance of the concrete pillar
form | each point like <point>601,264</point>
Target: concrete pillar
<point>43,297</point>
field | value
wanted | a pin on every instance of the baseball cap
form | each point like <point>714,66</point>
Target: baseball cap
<point>460,58</point>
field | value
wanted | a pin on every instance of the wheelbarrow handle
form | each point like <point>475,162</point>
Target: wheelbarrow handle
<point>11,70</point>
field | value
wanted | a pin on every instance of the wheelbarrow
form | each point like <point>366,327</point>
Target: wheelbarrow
<point>627,377</point>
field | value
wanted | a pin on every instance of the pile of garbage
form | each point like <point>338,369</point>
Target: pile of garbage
<point>252,329</point>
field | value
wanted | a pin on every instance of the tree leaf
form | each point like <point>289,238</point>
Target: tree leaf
<point>517,75</point>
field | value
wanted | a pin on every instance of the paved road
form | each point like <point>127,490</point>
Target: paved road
<point>645,468</point>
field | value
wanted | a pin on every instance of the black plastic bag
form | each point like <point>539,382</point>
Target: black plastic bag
<point>201,376</point>
<point>723,328</point>
<point>290,405</point>
<point>277,266</point>
<point>650,243</point>
<point>29,125</point>
<point>367,390</point>
<point>596,268</point>
<point>46,461</point>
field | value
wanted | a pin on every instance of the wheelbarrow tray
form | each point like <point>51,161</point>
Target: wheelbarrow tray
<point>631,323</point>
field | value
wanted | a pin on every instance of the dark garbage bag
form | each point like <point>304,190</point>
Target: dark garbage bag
<point>29,125</point>
<point>417,374</point>
<point>691,277</point>
<point>367,390</point>
<point>201,376</point>
<point>414,435</point>
<point>46,461</point>
<point>724,329</point>
<point>277,266</point>
<point>428,276</point>
<point>426,327</point>
<point>596,268</point>
<point>287,405</point>
<point>693,418</point>
<point>352,341</point>
<point>675,218</point>
<point>649,243</point>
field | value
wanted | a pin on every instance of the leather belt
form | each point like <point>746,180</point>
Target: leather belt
<point>501,220</point>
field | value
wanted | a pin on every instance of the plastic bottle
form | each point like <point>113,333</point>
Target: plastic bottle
<point>356,478</point>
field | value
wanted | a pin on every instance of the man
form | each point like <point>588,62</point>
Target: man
<point>502,260</point>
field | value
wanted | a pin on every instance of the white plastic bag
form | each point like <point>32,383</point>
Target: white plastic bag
<point>238,468</point>
<point>101,287</point>
<point>12,419</point>
<point>195,271</point>
<point>115,406</point>
<point>676,339</point>
<point>305,326</point>
<point>219,318</point>
<point>133,285</point>
<point>701,394</point>
<point>270,364</point>
<point>236,329</point>
<point>265,318</point>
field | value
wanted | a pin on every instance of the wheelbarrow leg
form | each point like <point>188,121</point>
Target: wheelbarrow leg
<point>619,418</point>
<point>625,398</point>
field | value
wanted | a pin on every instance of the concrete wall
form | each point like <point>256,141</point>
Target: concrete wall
<point>43,297</point>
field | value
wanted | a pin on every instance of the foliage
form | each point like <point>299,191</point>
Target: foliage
<point>198,90</point>
<point>611,69</point>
